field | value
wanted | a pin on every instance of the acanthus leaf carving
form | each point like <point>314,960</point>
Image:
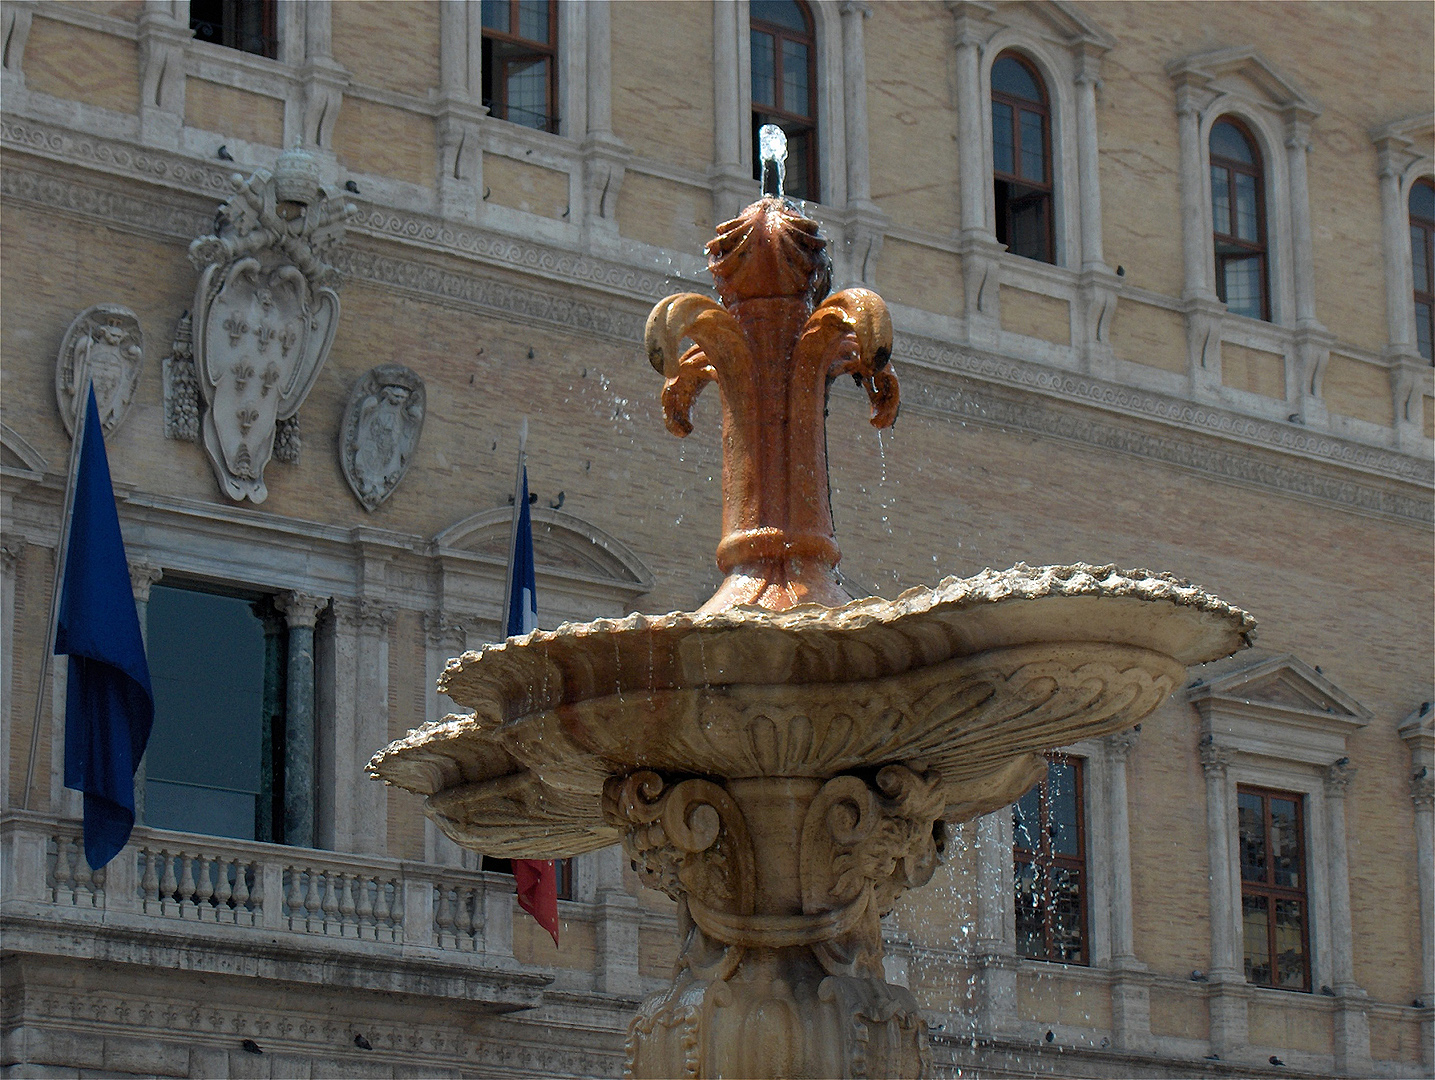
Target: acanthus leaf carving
<point>265,312</point>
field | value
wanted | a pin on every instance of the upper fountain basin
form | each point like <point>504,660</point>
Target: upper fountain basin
<point>970,679</point>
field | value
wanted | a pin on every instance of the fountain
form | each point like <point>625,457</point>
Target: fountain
<point>784,762</point>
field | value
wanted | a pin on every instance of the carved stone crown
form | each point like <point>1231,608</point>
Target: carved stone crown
<point>296,177</point>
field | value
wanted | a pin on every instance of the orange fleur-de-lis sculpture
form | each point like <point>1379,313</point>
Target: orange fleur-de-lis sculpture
<point>773,346</point>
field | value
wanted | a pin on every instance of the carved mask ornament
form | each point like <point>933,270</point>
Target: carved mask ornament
<point>381,430</point>
<point>265,313</point>
<point>105,340</point>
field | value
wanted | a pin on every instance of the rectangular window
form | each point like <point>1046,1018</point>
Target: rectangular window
<point>520,62</point>
<point>1049,853</point>
<point>247,25</point>
<point>215,762</point>
<point>1274,908</point>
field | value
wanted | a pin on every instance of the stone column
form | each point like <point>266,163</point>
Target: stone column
<point>164,36</point>
<point>616,927</point>
<point>10,553</point>
<point>995,943</point>
<point>301,612</point>
<point>604,155</point>
<point>1227,968</point>
<point>733,186</point>
<point>1130,995</point>
<point>143,576</point>
<point>1352,1025</point>
<point>460,110</point>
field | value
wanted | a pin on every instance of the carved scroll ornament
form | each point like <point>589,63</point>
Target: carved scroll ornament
<point>264,316</point>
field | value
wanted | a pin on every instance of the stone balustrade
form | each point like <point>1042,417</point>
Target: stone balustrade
<point>167,877</point>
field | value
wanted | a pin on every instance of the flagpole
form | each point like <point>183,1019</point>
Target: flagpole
<point>62,554</point>
<point>513,529</point>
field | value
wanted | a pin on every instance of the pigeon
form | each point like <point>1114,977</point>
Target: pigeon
<point>1275,1060</point>
<point>1051,1036</point>
<point>223,154</point>
<point>1213,1057</point>
<point>251,1047</point>
<point>1199,976</point>
<point>362,1043</point>
<point>349,185</point>
<point>1327,991</point>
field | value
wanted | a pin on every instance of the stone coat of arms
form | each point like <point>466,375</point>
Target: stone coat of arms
<point>265,312</point>
<point>106,341</point>
<point>381,430</point>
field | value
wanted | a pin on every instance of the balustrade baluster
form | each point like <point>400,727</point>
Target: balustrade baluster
<point>62,875</point>
<point>443,918</point>
<point>332,924</point>
<point>168,887</point>
<point>149,883</point>
<point>294,899</point>
<point>187,907</point>
<point>348,923</point>
<point>95,884</point>
<point>364,908</point>
<point>204,886</point>
<point>223,911</point>
<point>384,909</point>
<point>312,920</point>
<point>463,918</point>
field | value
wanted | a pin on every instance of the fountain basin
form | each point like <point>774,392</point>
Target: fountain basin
<point>969,680</point>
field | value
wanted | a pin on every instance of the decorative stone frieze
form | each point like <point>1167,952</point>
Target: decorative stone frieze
<point>380,431</point>
<point>106,342</point>
<point>265,312</point>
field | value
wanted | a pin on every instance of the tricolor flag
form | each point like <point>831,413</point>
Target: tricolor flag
<point>109,705</point>
<point>535,879</point>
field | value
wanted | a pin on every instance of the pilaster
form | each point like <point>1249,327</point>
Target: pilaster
<point>164,36</point>
<point>322,82</point>
<point>616,927</point>
<point>11,552</point>
<point>460,113</point>
<point>604,155</point>
<point>1418,732</point>
<point>1352,1026</point>
<point>1130,994</point>
<point>995,944</point>
<point>731,175</point>
<point>15,25</point>
<point>1228,993</point>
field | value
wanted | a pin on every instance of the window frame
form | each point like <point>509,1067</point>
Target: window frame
<point>1046,190</point>
<point>228,29</point>
<point>1261,246</point>
<point>1272,892</point>
<point>1427,230</point>
<point>493,68</point>
<point>784,118</point>
<point>1046,861</point>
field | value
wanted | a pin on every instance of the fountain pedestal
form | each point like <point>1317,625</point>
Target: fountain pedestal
<point>783,762</point>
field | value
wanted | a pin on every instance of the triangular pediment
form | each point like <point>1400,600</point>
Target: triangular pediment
<point>1244,72</point>
<point>563,544</point>
<point>17,453</point>
<point>1281,682</point>
<point>1055,19</point>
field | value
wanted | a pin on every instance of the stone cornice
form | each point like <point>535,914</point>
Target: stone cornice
<point>990,388</point>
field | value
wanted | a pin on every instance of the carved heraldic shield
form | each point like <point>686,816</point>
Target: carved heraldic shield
<point>381,430</point>
<point>265,313</point>
<point>106,342</point>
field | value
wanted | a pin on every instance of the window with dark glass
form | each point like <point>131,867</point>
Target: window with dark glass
<point>1238,215</point>
<point>247,25</point>
<point>520,62</point>
<point>1422,263</point>
<point>1021,159</point>
<point>215,762</point>
<point>1049,853</point>
<point>784,88</point>
<point>1274,908</point>
<point>562,872</point>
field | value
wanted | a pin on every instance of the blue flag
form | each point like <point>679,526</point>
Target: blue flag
<point>109,705</point>
<point>522,584</point>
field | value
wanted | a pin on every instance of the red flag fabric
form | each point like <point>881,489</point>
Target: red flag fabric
<point>537,883</point>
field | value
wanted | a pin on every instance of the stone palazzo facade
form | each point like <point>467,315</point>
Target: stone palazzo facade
<point>1158,276</point>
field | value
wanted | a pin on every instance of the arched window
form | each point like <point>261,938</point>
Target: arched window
<point>1422,263</point>
<point>784,88</point>
<point>1021,159</point>
<point>1238,215</point>
<point>520,61</point>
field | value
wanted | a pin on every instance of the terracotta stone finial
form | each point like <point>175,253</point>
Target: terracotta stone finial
<point>773,347</point>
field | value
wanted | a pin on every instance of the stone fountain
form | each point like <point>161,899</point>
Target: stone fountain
<point>784,762</point>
